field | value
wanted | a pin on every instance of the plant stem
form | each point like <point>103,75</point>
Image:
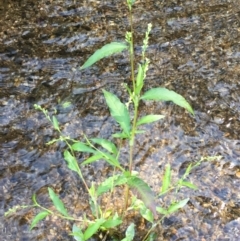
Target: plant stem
<point>135,101</point>
<point>132,51</point>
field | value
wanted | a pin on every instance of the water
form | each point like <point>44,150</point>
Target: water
<point>194,50</point>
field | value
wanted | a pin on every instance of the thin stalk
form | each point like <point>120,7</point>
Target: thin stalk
<point>135,101</point>
<point>132,52</point>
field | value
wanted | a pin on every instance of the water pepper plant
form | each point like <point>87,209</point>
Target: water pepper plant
<point>144,201</point>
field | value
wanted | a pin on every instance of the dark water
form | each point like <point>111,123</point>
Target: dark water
<point>194,50</point>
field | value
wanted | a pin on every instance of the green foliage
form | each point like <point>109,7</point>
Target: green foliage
<point>101,218</point>
<point>105,51</point>
<point>167,95</point>
<point>57,202</point>
<point>130,233</point>
<point>144,191</point>
<point>118,111</point>
<point>149,118</point>
<point>40,216</point>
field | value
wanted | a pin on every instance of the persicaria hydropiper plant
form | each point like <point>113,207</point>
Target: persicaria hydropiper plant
<point>102,219</point>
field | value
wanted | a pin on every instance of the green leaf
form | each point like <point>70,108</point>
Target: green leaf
<point>93,158</point>
<point>166,179</point>
<point>162,211</point>
<point>82,147</point>
<point>111,159</point>
<point>111,182</point>
<point>105,51</point>
<point>118,111</point>
<point>174,207</point>
<point>149,118</point>
<point>111,223</point>
<point>152,237</point>
<point>55,123</point>
<point>77,233</point>
<point>38,218</point>
<point>108,145</point>
<point>71,161</point>
<point>93,228</point>
<point>167,95</point>
<point>139,80</point>
<point>130,233</point>
<point>188,184</point>
<point>120,135</point>
<point>144,191</point>
<point>57,202</point>
<point>34,198</point>
<point>147,214</point>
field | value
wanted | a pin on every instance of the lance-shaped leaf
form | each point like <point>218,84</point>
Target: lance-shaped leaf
<point>174,207</point>
<point>105,51</point>
<point>71,161</point>
<point>149,118</point>
<point>144,191</point>
<point>57,202</point>
<point>130,233</point>
<point>55,123</point>
<point>38,218</point>
<point>108,145</point>
<point>167,95</point>
<point>118,111</point>
<point>166,179</point>
<point>111,182</point>
<point>139,80</point>
<point>111,223</point>
<point>93,228</point>
<point>77,233</point>
<point>82,147</point>
<point>93,158</point>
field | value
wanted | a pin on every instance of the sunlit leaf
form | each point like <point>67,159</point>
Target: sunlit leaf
<point>93,228</point>
<point>175,206</point>
<point>152,237</point>
<point>189,184</point>
<point>111,223</point>
<point>120,135</point>
<point>162,211</point>
<point>108,145</point>
<point>105,51</point>
<point>167,95</point>
<point>71,161</point>
<point>149,118</point>
<point>111,159</point>
<point>55,123</point>
<point>144,191</point>
<point>82,147</point>
<point>139,80</point>
<point>111,182</point>
<point>118,111</point>
<point>38,218</point>
<point>166,179</point>
<point>77,233</point>
<point>34,198</point>
<point>130,233</point>
<point>57,202</point>
<point>66,104</point>
<point>147,214</point>
<point>93,158</point>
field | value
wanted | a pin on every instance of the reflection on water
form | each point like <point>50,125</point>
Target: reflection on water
<point>194,50</point>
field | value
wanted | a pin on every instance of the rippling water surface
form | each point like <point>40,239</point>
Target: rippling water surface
<point>194,50</point>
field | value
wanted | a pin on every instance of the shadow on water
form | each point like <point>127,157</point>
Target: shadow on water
<point>194,50</point>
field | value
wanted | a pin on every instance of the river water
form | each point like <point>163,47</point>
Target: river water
<point>194,49</point>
